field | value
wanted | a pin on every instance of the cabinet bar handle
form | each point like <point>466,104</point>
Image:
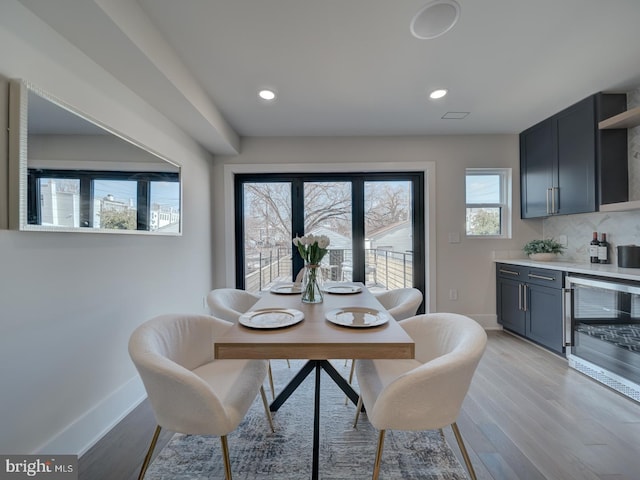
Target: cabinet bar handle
<point>510,272</point>
<point>548,190</point>
<point>520,296</point>
<point>524,297</point>
<point>541,277</point>
<point>554,194</point>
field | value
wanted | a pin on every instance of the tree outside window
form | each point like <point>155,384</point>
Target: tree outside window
<point>487,198</point>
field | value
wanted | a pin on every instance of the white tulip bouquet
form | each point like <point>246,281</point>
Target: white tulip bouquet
<point>312,248</point>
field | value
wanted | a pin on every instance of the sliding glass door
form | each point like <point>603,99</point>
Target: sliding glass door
<point>375,222</point>
<point>389,232</point>
<point>328,210</point>
<point>265,248</point>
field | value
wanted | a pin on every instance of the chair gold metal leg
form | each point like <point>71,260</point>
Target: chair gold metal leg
<point>225,457</point>
<point>288,364</point>
<point>266,407</point>
<point>273,390</point>
<point>463,450</point>
<point>376,466</point>
<point>358,408</point>
<point>353,367</point>
<point>147,458</point>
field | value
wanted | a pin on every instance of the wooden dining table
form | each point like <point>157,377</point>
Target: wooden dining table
<point>318,340</point>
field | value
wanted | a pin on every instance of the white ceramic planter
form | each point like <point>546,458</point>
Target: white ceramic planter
<point>542,257</point>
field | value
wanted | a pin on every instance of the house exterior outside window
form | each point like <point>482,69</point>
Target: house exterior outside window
<point>488,202</point>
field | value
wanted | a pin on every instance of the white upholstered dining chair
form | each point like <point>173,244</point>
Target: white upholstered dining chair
<point>401,303</point>
<point>228,304</point>
<point>188,390</point>
<point>425,393</point>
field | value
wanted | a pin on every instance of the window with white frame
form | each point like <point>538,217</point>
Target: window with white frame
<point>488,202</point>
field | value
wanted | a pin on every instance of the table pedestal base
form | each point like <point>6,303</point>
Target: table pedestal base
<point>304,372</point>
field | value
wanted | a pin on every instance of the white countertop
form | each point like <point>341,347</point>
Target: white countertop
<point>603,270</point>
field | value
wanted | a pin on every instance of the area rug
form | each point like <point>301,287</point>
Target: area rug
<point>345,453</point>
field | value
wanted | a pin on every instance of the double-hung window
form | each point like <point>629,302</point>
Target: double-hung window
<point>488,202</point>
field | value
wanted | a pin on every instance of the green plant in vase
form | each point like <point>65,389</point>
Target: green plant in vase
<point>545,249</point>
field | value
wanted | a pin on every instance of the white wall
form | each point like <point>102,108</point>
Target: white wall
<point>92,152</point>
<point>466,266</point>
<point>68,302</point>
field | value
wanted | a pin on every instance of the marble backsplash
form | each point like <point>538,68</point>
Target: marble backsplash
<point>622,228</point>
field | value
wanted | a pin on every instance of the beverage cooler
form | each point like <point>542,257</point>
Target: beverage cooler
<point>602,331</point>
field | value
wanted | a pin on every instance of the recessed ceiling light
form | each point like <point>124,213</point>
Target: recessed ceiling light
<point>266,94</point>
<point>441,92</point>
<point>435,19</point>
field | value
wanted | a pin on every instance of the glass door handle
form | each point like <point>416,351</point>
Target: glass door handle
<point>567,317</point>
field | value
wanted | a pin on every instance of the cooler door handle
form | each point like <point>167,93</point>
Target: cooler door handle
<point>567,317</point>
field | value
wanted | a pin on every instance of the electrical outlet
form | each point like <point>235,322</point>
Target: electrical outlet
<point>204,302</point>
<point>562,240</point>
<point>453,294</point>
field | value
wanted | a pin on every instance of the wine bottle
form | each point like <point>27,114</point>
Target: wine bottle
<point>603,250</point>
<point>593,248</point>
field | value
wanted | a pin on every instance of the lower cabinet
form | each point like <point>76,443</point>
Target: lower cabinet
<point>529,303</point>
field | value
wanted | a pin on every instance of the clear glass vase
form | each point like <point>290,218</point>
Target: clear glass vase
<point>312,284</point>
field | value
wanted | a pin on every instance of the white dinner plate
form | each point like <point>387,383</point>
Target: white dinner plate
<point>343,289</point>
<point>359,317</point>
<point>286,289</point>
<point>271,318</point>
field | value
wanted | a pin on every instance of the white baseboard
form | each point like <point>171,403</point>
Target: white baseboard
<point>82,434</point>
<point>488,321</point>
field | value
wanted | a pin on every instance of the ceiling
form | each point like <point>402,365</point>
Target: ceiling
<point>352,67</point>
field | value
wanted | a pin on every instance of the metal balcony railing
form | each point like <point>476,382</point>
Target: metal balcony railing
<point>384,269</point>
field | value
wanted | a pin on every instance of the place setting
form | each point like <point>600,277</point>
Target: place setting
<point>269,318</point>
<point>287,289</point>
<point>357,317</point>
<point>343,289</point>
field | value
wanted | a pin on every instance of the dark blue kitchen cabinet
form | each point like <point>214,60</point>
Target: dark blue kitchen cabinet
<point>529,303</point>
<point>509,296</point>
<point>568,165</point>
<point>544,316</point>
<point>538,162</point>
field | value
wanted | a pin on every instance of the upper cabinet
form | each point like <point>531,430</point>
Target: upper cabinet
<point>562,160</point>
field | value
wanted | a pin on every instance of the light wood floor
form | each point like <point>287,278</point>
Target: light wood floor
<point>527,416</point>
